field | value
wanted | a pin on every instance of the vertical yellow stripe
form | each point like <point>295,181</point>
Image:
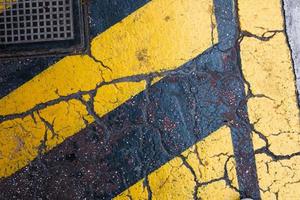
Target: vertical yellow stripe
<point>267,66</point>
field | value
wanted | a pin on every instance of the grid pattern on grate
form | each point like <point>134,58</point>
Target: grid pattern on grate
<point>29,21</point>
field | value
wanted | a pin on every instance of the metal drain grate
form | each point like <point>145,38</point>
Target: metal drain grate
<point>30,21</point>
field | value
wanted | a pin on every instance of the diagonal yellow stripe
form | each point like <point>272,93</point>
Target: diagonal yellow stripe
<point>69,95</point>
<point>204,171</point>
<point>273,110</point>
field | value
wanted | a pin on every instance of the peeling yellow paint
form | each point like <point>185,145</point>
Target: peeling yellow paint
<point>273,110</point>
<point>208,160</point>
<point>160,36</point>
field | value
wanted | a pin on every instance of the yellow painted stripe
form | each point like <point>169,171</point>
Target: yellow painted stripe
<point>197,172</point>
<point>42,113</point>
<point>273,109</point>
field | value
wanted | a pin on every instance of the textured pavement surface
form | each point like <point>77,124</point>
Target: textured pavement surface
<point>174,100</point>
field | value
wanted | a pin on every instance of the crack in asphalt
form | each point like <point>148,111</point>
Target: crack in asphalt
<point>199,184</point>
<point>267,144</point>
<point>81,93</point>
<point>146,185</point>
<point>266,149</point>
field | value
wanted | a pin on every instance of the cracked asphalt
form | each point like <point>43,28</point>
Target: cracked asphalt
<point>175,100</point>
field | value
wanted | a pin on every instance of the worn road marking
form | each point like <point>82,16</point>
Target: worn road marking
<point>197,173</point>
<point>272,103</point>
<point>73,92</point>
